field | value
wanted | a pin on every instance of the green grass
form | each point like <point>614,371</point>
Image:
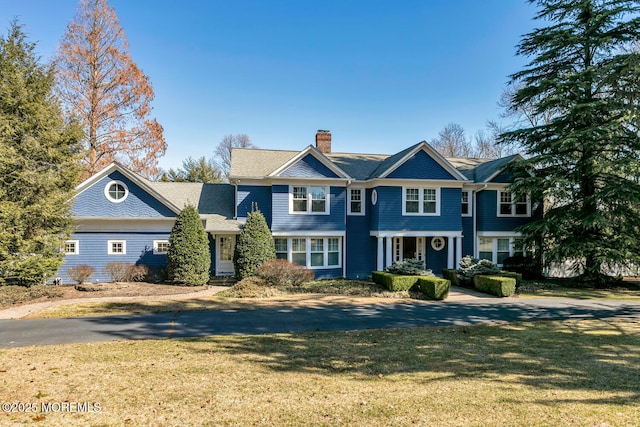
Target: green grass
<point>543,373</point>
<point>625,290</point>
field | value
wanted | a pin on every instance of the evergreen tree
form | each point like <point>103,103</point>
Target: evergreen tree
<point>39,165</point>
<point>584,85</point>
<point>188,258</point>
<point>254,247</point>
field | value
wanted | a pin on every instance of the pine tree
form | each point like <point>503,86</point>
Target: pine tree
<point>583,84</point>
<point>39,165</point>
<point>254,247</point>
<point>188,258</point>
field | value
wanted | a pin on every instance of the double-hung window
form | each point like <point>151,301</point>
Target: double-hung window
<point>510,206</point>
<point>309,199</point>
<point>281,248</point>
<point>356,201</point>
<point>421,201</point>
<point>310,252</point>
<point>497,249</point>
<point>299,251</point>
<point>466,203</point>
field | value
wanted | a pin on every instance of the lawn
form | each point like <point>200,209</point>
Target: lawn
<point>626,290</point>
<point>544,373</point>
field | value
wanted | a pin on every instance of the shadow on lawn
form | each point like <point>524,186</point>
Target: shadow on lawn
<point>596,356</point>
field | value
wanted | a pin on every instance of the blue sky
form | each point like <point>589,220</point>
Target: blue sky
<point>380,75</point>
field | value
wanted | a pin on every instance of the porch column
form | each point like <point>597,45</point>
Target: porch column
<point>450,252</point>
<point>389,250</point>
<point>458,251</point>
<point>380,260</point>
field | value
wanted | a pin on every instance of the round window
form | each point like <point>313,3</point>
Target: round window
<point>116,191</point>
<point>374,197</point>
<point>437,243</point>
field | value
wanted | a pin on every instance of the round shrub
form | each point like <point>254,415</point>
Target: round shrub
<point>254,247</point>
<point>188,258</point>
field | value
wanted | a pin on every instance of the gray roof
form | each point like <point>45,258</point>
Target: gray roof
<point>215,202</point>
<point>252,162</point>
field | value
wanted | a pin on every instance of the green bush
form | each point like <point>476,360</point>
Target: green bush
<point>435,287</point>
<point>255,246</point>
<point>470,267</point>
<point>280,272</point>
<point>513,275</point>
<point>188,258</point>
<point>409,267</point>
<point>495,285</point>
<point>395,282</point>
<point>451,276</point>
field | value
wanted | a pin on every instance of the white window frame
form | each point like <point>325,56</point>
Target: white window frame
<point>108,195</point>
<point>494,246</point>
<point>469,203</point>
<point>325,250</point>
<point>76,247</point>
<point>513,206</point>
<point>156,243</point>
<point>421,191</point>
<point>110,244</point>
<point>327,200</point>
<point>362,201</point>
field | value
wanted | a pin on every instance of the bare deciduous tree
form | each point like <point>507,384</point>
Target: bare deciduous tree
<point>223,150</point>
<point>100,85</point>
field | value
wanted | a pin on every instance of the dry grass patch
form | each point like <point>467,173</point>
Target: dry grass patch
<point>16,295</point>
<point>550,373</point>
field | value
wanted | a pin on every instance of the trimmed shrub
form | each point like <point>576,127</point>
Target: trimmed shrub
<point>80,273</point>
<point>495,285</point>
<point>451,276</point>
<point>280,272</point>
<point>117,271</point>
<point>188,258</point>
<point>395,282</point>
<point>255,246</point>
<point>409,267</point>
<point>528,266</point>
<point>513,275</point>
<point>434,287</point>
<point>470,267</point>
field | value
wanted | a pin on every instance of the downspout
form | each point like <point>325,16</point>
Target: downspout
<point>475,219</point>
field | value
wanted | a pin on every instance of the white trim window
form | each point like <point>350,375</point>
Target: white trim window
<point>305,199</point>
<point>116,247</point>
<point>160,247</point>
<point>466,203</point>
<point>497,249</point>
<point>421,201</point>
<point>71,247</point>
<point>507,206</point>
<point>310,252</point>
<point>116,191</point>
<point>356,201</point>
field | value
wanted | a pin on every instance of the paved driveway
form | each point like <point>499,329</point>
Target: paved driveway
<point>16,333</point>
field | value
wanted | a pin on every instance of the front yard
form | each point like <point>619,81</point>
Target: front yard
<point>544,373</point>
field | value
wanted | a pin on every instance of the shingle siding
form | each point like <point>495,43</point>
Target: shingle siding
<point>283,221</point>
<point>247,194</point>
<point>309,167</point>
<point>93,251</point>
<point>421,166</point>
<point>487,211</point>
<point>139,203</point>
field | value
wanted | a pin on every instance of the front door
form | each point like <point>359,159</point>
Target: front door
<point>408,247</point>
<point>225,245</point>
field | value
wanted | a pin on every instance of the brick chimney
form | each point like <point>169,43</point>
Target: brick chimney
<point>323,141</point>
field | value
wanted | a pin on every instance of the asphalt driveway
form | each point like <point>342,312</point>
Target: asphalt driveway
<point>17,333</point>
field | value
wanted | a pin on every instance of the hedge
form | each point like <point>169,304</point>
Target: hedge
<point>435,287</point>
<point>513,275</point>
<point>495,285</point>
<point>451,275</point>
<point>395,282</point>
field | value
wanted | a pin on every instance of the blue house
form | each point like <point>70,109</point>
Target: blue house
<point>338,214</point>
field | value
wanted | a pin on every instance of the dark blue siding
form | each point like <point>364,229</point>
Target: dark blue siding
<point>309,167</point>
<point>467,239</point>
<point>282,220</point>
<point>360,248</point>
<point>437,260</point>
<point>487,211</point>
<point>421,166</point>
<point>247,194</point>
<point>503,177</point>
<point>93,252</point>
<point>387,213</point>
<point>327,273</point>
<point>93,202</point>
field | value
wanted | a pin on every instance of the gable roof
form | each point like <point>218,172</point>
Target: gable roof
<point>482,170</point>
<point>257,163</point>
<point>313,151</point>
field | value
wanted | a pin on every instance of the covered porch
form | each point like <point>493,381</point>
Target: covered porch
<point>438,249</point>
